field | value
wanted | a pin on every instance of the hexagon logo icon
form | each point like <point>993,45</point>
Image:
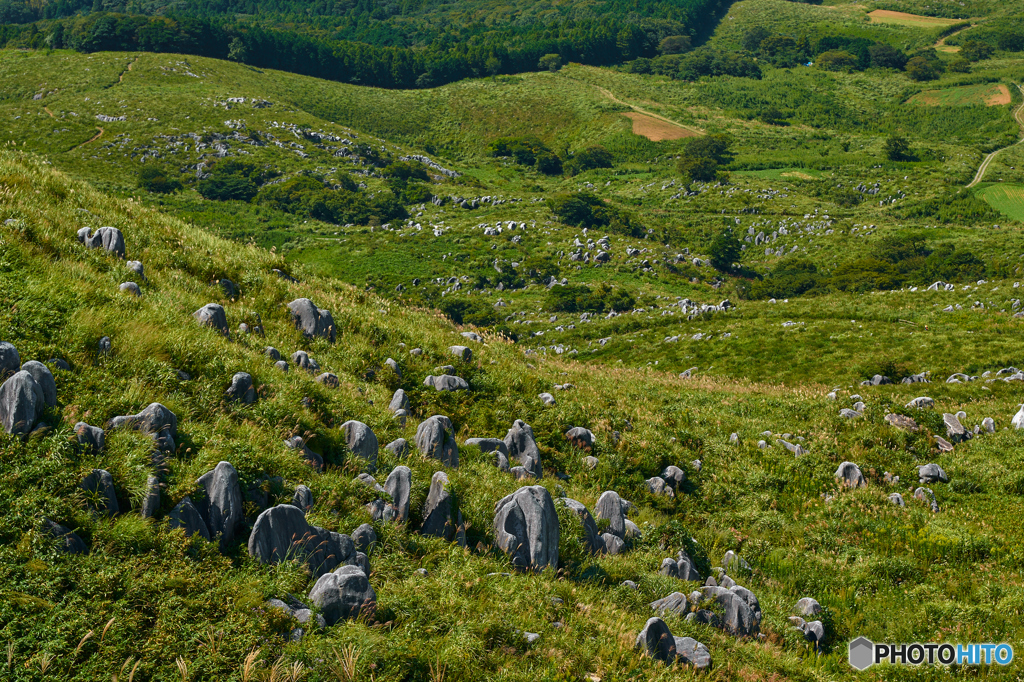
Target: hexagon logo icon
<point>862,653</point>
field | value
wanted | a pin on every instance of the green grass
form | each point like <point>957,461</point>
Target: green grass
<point>1007,199</point>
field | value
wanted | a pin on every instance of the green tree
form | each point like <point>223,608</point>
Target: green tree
<point>836,60</point>
<point>674,45</point>
<point>725,250</point>
<point>922,69</point>
<point>237,51</point>
<point>492,66</point>
<point>753,38</point>
<point>154,179</point>
<point>886,57</point>
<point>897,148</point>
<point>550,62</point>
<point>975,50</point>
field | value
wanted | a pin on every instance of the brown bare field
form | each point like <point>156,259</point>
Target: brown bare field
<point>987,94</point>
<point>656,130</point>
<point>885,16</point>
<point>1001,98</point>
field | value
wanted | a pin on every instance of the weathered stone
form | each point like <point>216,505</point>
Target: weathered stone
<point>10,360</point>
<point>212,315</point>
<point>106,238</point>
<point>955,431</point>
<point>221,507</point>
<point>547,399</point>
<point>311,320</point>
<point>311,458</point>
<point>463,353</point>
<point>674,603</point>
<point>902,422</point>
<point>156,421</point>
<point>301,359</point>
<point>446,382</point>
<point>398,486</point>
<point>272,353</point>
<point>282,532</point>
<point>99,486</point>
<point>847,413</point>
<point>928,497</point>
<point>91,438</point>
<point>591,538</point>
<point>850,476</point>
<point>522,448</point>
<point>437,512</point>
<point>136,267</point>
<point>399,401</point>
<point>435,438</point>
<point>612,544</point>
<point>988,425</point>
<point>398,447</point>
<point>361,441</point>
<point>580,437</point>
<point>241,389</point>
<point>41,373</point>
<point>364,538</point>
<point>686,568</point>
<point>735,564</point>
<point>609,506</point>
<point>897,499</point>
<point>329,380</point>
<point>343,594</point>
<point>151,502</point>
<point>737,618</point>
<point>807,607</point>
<point>21,403</point>
<point>590,462</point>
<point>281,365</point>
<point>656,641</point>
<point>187,517</point>
<point>130,288</point>
<point>657,486</point>
<point>691,652</point>
<point>487,445</point>
<point>526,528</point>
<point>303,498</point>
<point>931,473</point>
<point>674,477</point>
<point>68,542</point>
<point>920,403</point>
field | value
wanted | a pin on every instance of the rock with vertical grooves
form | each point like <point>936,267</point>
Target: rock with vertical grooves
<point>674,604</point>
<point>311,320</point>
<point>398,485</point>
<point>931,473</point>
<point>737,617</point>
<point>107,238</point>
<point>311,458</point>
<point>187,517</point>
<point>580,437</point>
<point>399,401</point>
<point>850,476</point>
<point>91,438</point>
<point>591,538</point>
<point>398,447</point>
<point>437,512</point>
<point>435,438</point>
<point>212,315</point>
<point>656,641</point>
<point>687,568</point>
<point>21,403</point>
<point>151,502</point>
<point>41,373</point>
<point>361,442</point>
<point>221,505</point>
<point>364,538</point>
<point>10,360</point>
<point>303,498</point>
<point>156,421</point>
<point>522,448</point>
<point>301,359</point>
<point>99,485</point>
<point>69,542</point>
<point>609,506</point>
<point>463,353</point>
<point>343,594</point>
<point>693,653</point>
<point>241,389</point>
<point>526,528</point>
<point>282,532</point>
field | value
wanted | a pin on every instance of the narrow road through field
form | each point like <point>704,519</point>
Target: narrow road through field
<point>980,175</point>
<point>120,79</point>
<point>639,110</point>
<point>91,139</point>
<point>47,110</point>
<point>941,42</point>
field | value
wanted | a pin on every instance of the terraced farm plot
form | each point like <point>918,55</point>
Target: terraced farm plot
<point>989,94</point>
<point>1007,199</point>
<point>884,16</point>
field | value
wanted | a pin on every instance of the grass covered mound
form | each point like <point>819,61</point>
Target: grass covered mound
<point>148,599</point>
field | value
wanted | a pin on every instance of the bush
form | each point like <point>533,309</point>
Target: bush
<point>674,45</point>
<point>897,148</point>
<point>406,170</point>
<point>887,57</point>
<point>154,179</point>
<point>233,179</point>
<point>527,151</point>
<point>975,50</point>
<point>550,62</point>
<point>922,69</point>
<point>307,196</point>
<point>725,250</point>
<point>836,60</point>
<point>580,298</point>
<point>708,61</point>
<point>702,157</point>
<point>588,159</point>
<point>789,277</point>
<point>865,274</point>
<point>585,209</point>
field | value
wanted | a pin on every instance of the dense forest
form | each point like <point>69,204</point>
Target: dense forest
<point>358,43</point>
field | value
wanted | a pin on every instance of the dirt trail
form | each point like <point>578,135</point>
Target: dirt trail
<point>47,110</point>
<point>120,79</point>
<point>941,46</point>
<point>645,112</point>
<point>91,139</point>
<point>1019,116</point>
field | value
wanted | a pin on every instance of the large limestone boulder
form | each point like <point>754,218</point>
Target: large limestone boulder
<point>435,438</point>
<point>187,517</point>
<point>21,403</point>
<point>343,594</point>
<point>41,373</point>
<point>282,533</point>
<point>609,506</point>
<point>437,512</point>
<point>526,528</point>
<point>99,487</point>
<point>212,315</point>
<point>361,441</point>
<point>221,505</point>
<point>522,448</point>
<point>398,486</point>
<point>106,238</point>
<point>312,321</point>
<point>591,538</point>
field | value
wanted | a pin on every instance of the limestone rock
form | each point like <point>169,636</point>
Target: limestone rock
<point>435,438</point>
<point>590,538</point>
<point>212,315</point>
<point>187,517</point>
<point>850,475</point>
<point>91,438</point>
<point>437,512</point>
<point>99,485</point>
<point>446,382</point>
<point>609,506</point>
<point>221,507</point>
<point>106,238</point>
<point>580,437</point>
<point>21,403</point>
<point>241,389</point>
<point>156,421</point>
<point>398,486</point>
<point>361,441</point>
<point>399,401</point>
<point>522,448</point>
<point>526,528</point>
<point>343,594</point>
<point>311,320</point>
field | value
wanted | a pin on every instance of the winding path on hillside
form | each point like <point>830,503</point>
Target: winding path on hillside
<point>1017,115</point>
<point>941,42</point>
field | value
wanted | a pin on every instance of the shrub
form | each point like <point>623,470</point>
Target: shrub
<point>789,277</point>
<point>836,60</point>
<point>406,170</point>
<point>580,298</point>
<point>550,62</point>
<point>725,250</point>
<point>154,179</point>
<point>897,148</point>
<point>588,159</point>
<point>585,209</point>
<point>922,69</point>
<point>674,45</point>
<point>887,57</point>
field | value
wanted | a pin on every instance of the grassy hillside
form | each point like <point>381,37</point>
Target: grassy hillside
<point>180,609</point>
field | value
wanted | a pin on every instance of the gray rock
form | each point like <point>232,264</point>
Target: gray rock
<point>68,542</point>
<point>312,321</point>
<point>955,431</point>
<point>609,506</point>
<point>369,481</point>
<point>303,498</point>
<point>329,380</point>
<point>221,506</point>
<point>241,389</point>
<point>686,568</point>
<point>106,238</point>
<point>228,287</point>
<point>361,441</point>
<point>301,359</point>
<point>850,476</point>
<point>151,502</point>
<point>156,421</point>
<point>547,399</point>
<point>737,617</point>
<point>282,533</point>
<point>398,485</point>
<point>988,425</point>
<point>814,632</point>
<point>657,486</point>
<point>943,444</point>
<point>674,476</point>
<point>393,366</point>
<point>628,584</point>
<point>921,403</point>
<point>580,437</point>
<point>272,353</point>
<point>435,438</point>
<point>590,462</point>
<point>416,351</point>
<point>931,473</point>
<point>897,499</point>
<point>521,473</point>
<point>99,485</point>
<point>10,360</point>
<point>311,458</point>
<point>526,528</point>
<point>364,538</point>
<point>746,595</point>
<point>398,447</point>
<point>187,517</point>
<point>437,512</point>
<point>399,401</point>
<point>734,439</point>
<point>472,336</point>
<point>674,604</point>
<point>656,641</point>
<point>612,544</point>
<point>522,448</point>
<point>501,462</point>
<point>131,288</point>
<point>734,564</point>
<point>446,382</point>
<point>691,652</point>
<point>928,497</point>
<point>281,365</point>
<point>136,267</point>
<point>90,437</point>
<point>343,594</point>
<point>21,403</point>
<point>487,445</point>
<point>807,607</point>
<point>902,422</point>
<point>41,373</point>
<point>591,538</point>
<point>847,413</point>
<point>463,353</point>
<point>212,315</point>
